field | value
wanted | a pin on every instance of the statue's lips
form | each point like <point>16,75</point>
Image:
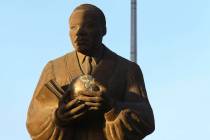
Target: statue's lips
<point>81,42</point>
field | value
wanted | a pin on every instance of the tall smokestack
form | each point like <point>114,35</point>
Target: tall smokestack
<point>133,55</point>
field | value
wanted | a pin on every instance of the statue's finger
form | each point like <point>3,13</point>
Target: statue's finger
<point>85,93</point>
<point>71,104</point>
<point>91,99</point>
<point>90,104</point>
<point>75,111</point>
<point>79,115</point>
<point>93,108</point>
<point>71,118</point>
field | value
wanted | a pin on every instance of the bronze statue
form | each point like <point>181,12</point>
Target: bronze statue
<point>90,93</point>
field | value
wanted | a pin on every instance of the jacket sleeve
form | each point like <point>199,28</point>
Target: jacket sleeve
<point>132,118</point>
<point>40,117</point>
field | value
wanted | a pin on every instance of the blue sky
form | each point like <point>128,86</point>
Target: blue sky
<point>173,52</point>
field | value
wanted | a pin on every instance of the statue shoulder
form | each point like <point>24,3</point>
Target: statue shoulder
<point>60,68</point>
<point>63,58</point>
<point>125,62</point>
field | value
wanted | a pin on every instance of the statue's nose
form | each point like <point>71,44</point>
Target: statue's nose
<point>81,31</point>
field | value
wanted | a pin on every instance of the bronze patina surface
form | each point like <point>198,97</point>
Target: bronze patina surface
<point>91,93</point>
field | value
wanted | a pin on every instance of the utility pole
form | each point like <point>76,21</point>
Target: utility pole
<point>133,51</point>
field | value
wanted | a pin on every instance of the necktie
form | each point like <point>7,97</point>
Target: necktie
<point>89,65</point>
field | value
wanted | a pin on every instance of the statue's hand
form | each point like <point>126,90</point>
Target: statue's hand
<point>70,112</point>
<point>97,100</point>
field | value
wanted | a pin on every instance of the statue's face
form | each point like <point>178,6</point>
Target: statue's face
<point>85,31</point>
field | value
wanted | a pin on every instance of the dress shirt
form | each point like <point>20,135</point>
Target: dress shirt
<point>85,63</point>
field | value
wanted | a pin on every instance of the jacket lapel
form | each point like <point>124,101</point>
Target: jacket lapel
<point>73,66</point>
<point>104,70</point>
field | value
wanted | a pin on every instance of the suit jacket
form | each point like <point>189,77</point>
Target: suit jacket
<point>131,118</point>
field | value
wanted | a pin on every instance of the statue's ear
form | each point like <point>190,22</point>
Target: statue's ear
<point>104,31</point>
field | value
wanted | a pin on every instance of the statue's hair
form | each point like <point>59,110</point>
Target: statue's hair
<point>93,8</point>
<point>90,7</point>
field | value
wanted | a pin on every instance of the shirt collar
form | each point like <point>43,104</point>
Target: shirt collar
<point>96,58</point>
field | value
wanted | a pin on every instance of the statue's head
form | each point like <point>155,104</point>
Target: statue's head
<point>87,27</point>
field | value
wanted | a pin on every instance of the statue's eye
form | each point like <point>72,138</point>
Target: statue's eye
<point>73,27</point>
<point>90,25</point>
